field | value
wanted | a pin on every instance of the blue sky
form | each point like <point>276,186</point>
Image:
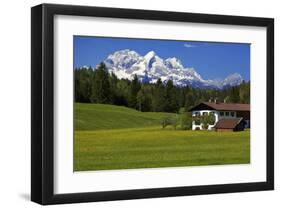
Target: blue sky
<point>210,59</point>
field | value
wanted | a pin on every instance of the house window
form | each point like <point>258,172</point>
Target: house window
<point>196,114</point>
<point>222,114</point>
<point>232,114</point>
<point>205,113</point>
<point>226,114</point>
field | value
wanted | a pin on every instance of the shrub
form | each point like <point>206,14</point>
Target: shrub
<point>207,120</point>
<point>197,120</point>
<point>186,121</point>
<point>204,121</point>
<point>211,119</point>
<point>169,121</point>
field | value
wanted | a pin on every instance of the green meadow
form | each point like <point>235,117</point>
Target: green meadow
<point>113,137</point>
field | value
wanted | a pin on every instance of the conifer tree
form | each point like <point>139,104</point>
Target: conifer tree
<point>100,86</point>
<point>158,98</point>
<point>171,98</point>
<point>134,89</point>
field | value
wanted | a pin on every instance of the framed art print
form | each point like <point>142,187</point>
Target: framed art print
<point>130,104</point>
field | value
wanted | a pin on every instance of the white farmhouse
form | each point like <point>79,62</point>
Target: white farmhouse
<point>228,116</point>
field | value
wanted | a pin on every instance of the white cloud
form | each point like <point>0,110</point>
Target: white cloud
<point>189,45</point>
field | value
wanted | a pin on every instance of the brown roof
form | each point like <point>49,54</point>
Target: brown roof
<point>228,123</point>
<point>223,106</point>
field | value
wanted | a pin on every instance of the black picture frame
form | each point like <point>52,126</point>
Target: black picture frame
<point>42,103</point>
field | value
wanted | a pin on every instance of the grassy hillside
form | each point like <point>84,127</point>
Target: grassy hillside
<point>102,116</point>
<point>112,137</point>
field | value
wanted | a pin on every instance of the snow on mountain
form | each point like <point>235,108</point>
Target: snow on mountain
<point>149,68</point>
<point>232,80</point>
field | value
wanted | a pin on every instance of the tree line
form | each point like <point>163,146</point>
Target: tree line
<point>100,86</point>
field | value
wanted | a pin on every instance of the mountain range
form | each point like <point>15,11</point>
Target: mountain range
<point>150,67</point>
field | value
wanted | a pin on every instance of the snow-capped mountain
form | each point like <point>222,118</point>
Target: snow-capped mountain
<point>149,68</point>
<point>232,80</point>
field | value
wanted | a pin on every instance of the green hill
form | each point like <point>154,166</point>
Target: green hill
<point>112,137</point>
<point>103,116</point>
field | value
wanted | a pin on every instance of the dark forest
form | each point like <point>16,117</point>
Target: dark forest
<point>100,86</point>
